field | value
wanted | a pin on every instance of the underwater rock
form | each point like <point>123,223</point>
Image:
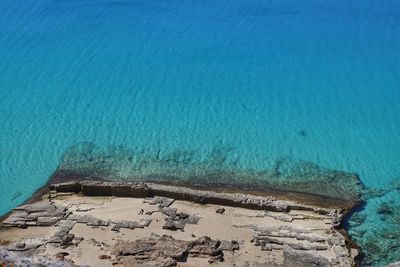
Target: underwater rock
<point>381,246</point>
<point>380,243</point>
<point>372,192</point>
<point>395,264</point>
<point>384,209</point>
<point>358,218</point>
<point>16,195</point>
<point>220,167</point>
<point>396,184</point>
<point>371,247</point>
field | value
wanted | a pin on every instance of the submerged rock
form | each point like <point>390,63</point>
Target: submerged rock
<point>395,264</point>
<point>358,218</point>
<point>87,161</point>
<point>385,209</point>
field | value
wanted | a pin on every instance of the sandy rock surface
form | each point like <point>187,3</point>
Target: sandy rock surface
<point>74,229</point>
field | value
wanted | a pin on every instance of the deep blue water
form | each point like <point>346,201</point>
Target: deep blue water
<point>308,80</point>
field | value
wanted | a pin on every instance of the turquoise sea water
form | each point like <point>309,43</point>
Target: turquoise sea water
<point>315,81</point>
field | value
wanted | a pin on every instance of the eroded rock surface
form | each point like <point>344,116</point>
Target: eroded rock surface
<point>9,258</point>
<point>43,213</point>
<point>296,258</point>
<point>142,231</point>
<point>167,251</point>
<point>169,192</point>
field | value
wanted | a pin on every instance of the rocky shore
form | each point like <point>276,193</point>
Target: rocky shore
<point>95,223</point>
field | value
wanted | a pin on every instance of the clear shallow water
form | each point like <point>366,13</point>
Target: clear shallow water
<point>314,80</point>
